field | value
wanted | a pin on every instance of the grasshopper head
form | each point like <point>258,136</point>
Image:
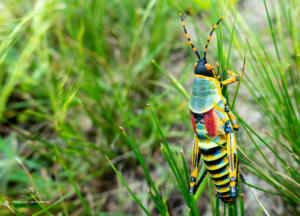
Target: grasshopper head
<point>204,69</point>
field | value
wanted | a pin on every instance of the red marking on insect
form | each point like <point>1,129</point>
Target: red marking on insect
<point>193,121</point>
<point>210,123</point>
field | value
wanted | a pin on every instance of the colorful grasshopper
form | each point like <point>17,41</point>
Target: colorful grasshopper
<point>213,122</point>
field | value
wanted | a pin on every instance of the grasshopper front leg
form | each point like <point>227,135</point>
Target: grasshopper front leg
<point>231,117</point>
<point>235,77</point>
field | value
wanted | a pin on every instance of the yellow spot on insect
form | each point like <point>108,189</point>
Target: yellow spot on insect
<point>215,26</point>
<point>180,14</point>
<point>224,190</point>
<point>218,108</point>
<point>209,37</point>
<point>191,11</point>
<point>205,49</point>
<point>207,43</point>
<point>190,42</point>
<point>219,175</point>
<point>232,183</point>
<point>192,184</point>
<point>209,157</point>
<point>214,72</point>
<point>194,49</point>
<point>194,173</point>
<point>222,17</point>
<point>182,23</point>
<point>187,35</point>
<point>221,182</point>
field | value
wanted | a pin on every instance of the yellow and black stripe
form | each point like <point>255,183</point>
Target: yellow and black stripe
<point>210,35</point>
<point>188,37</point>
<point>216,163</point>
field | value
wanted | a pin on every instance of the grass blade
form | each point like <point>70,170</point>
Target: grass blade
<point>127,187</point>
<point>62,162</point>
<point>161,207</point>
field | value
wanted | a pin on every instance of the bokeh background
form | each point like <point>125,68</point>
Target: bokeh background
<point>73,71</point>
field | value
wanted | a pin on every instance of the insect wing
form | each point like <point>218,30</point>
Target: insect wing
<point>210,123</point>
<point>193,121</point>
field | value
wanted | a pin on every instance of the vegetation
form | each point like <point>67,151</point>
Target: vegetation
<point>73,72</point>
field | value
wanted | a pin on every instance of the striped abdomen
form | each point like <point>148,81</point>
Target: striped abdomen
<point>216,163</point>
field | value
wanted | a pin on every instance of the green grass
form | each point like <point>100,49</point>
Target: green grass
<point>288,124</point>
<point>72,72</point>
<point>178,167</point>
<point>271,81</point>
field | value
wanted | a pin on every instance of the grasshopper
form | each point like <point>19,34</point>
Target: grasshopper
<point>213,122</point>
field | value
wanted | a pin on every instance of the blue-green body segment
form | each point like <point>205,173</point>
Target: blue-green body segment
<point>204,96</point>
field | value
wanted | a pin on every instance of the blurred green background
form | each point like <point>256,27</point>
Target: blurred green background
<point>73,71</point>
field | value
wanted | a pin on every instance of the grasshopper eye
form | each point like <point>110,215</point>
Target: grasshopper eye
<point>195,65</point>
<point>208,67</point>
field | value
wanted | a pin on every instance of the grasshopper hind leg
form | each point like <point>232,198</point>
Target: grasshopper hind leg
<point>232,162</point>
<point>241,176</point>
<point>195,166</point>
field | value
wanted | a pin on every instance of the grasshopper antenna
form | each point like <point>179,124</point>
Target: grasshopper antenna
<point>188,37</point>
<point>209,37</point>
